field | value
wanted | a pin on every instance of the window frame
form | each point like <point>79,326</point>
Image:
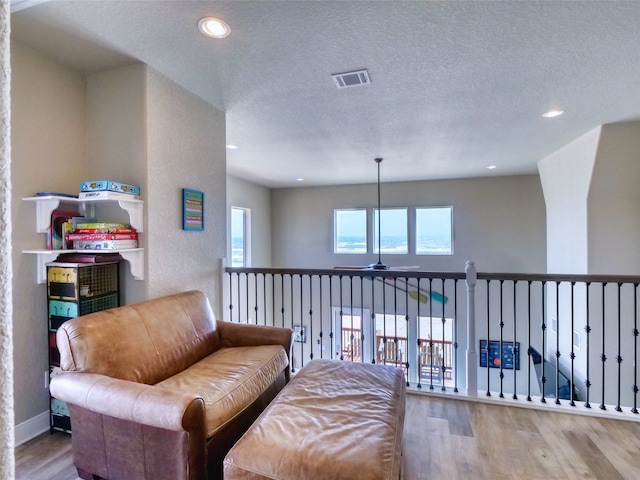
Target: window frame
<point>374,229</point>
<point>451,231</point>
<point>335,231</point>
<point>246,235</point>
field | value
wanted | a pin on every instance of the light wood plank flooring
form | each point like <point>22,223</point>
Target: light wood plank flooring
<point>449,439</point>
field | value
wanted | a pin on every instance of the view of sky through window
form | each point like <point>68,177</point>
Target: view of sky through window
<point>238,237</point>
<point>350,231</point>
<point>433,231</point>
<point>393,228</point>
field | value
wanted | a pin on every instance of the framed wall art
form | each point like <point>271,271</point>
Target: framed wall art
<point>192,209</point>
<point>490,353</point>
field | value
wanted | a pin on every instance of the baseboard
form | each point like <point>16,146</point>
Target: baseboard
<point>31,428</point>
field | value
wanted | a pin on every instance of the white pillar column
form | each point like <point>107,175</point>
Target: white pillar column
<point>7,463</point>
<point>472,355</point>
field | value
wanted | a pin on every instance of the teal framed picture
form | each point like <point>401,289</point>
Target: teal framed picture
<point>192,209</point>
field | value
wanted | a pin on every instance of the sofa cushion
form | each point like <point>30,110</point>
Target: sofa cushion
<point>145,343</point>
<point>229,380</point>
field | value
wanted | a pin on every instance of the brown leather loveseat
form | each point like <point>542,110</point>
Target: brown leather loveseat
<point>161,390</point>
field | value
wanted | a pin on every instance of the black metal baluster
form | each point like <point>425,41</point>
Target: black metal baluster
<point>352,337</point>
<point>396,355</point>
<point>515,350</point>
<point>587,329</point>
<point>419,342</point>
<point>340,353</point>
<point>573,355</point>
<point>455,334</point>
<point>543,327</point>
<point>529,340</point>
<point>634,387</point>
<point>255,290</point>
<point>331,336</point>
<point>311,316</point>
<point>384,323</point>
<point>488,337</point>
<point>302,327</point>
<point>362,320</point>
<point>264,298</point>
<point>442,364</point>
<point>320,340</point>
<point>282,297</point>
<point>603,357</point>
<point>273,299</point>
<point>430,333</point>
<point>246,296</point>
<point>374,336</point>
<point>230,296</point>
<point>557,343</point>
<point>619,356</point>
<point>239,296</point>
<point>406,325</point>
<point>292,320</point>
<point>501,324</point>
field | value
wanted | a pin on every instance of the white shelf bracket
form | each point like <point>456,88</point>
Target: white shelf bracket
<point>134,209</point>
<point>42,258</point>
<point>135,258</point>
<point>44,208</point>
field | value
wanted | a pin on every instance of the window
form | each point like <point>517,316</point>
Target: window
<point>240,237</point>
<point>350,228</point>
<point>434,233</point>
<point>393,227</point>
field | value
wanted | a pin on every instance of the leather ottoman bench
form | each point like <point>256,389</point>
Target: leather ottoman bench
<point>333,420</point>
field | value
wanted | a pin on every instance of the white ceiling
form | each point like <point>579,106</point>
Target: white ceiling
<point>455,85</point>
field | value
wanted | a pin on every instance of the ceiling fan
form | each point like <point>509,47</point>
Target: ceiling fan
<point>414,291</point>
<point>379,266</point>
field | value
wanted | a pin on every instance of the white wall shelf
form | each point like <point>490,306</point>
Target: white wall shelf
<point>45,205</point>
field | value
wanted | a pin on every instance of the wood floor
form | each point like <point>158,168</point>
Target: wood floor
<point>451,439</point>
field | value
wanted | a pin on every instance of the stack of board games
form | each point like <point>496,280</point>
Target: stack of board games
<point>108,189</point>
<point>103,236</point>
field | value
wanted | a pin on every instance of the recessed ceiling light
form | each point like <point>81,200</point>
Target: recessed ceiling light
<point>491,167</point>
<point>231,146</point>
<point>299,179</point>
<point>214,27</point>
<point>553,113</point>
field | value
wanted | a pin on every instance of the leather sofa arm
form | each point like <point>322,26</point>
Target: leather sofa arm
<point>135,402</point>
<point>246,335</point>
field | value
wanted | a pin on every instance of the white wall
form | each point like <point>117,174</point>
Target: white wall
<point>117,147</point>
<point>566,176</point>
<point>129,124</point>
<point>614,202</point>
<point>593,227</point>
<point>186,149</point>
<point>147,130</point>
<point>48,154</point>
<point>499,223</point>
<point>244,194</point>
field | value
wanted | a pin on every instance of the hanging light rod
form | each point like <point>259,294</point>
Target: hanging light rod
<point>379,265</point>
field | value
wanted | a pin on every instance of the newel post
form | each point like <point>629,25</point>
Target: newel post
<point>472,355</point>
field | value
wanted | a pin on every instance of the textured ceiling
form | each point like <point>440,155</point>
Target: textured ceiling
<point>455,85</point>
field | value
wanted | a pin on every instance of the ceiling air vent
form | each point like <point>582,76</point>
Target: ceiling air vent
<point>351,79</point>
